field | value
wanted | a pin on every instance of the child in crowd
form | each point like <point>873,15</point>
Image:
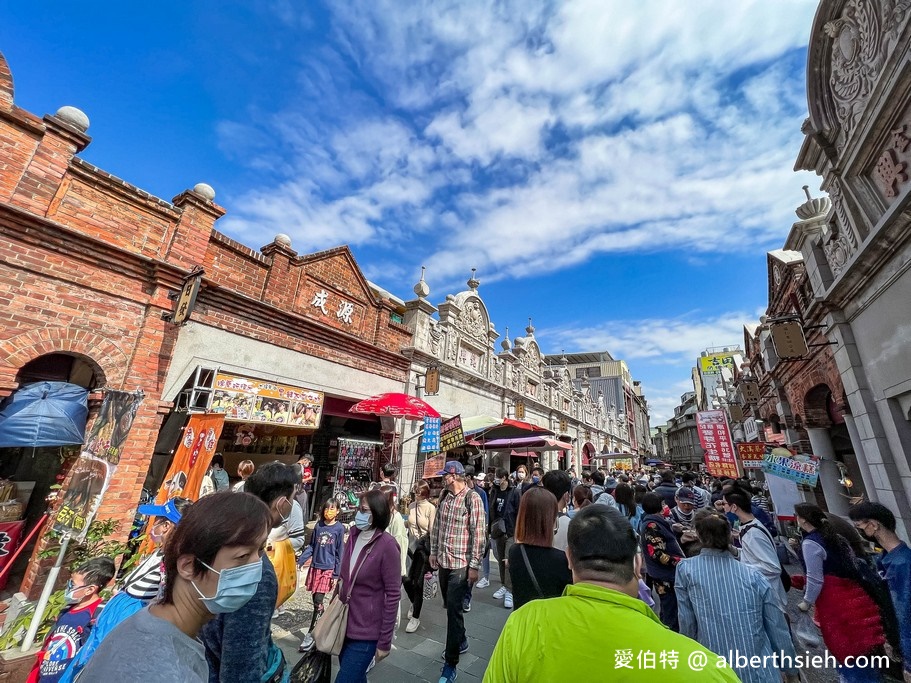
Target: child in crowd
<point>325,549</point>
<point>83,596</point>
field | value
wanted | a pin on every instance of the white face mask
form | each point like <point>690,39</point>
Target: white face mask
<point>235,587</point>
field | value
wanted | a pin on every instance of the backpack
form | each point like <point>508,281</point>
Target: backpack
<point>784,576</point>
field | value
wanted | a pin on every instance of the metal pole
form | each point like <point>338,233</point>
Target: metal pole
<point>38,616</point>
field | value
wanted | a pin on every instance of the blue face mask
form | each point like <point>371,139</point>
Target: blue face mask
<point>535,479</point>
<point>363,520</point>
<point>235,587</point>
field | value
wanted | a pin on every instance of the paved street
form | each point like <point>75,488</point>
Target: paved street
<point>417,656</point>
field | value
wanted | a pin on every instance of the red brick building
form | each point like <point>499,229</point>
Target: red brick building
<point>87,264</point>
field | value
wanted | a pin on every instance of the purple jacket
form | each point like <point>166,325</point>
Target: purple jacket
<point>375,599</point>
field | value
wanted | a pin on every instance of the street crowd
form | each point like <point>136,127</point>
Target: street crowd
<point>609,575</point>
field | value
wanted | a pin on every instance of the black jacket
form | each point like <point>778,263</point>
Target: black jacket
<point>667,491</point>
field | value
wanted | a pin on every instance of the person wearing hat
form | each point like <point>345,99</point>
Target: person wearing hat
<point>139,588</point>
<point>681,519</point>
<point>456,547</point>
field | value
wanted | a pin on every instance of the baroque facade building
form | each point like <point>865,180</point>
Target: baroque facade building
<point>858,258</point>
<point>458,337</point>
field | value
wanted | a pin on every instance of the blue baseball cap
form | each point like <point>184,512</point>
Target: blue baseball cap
<point>452,467</point>
<point>168,511</point>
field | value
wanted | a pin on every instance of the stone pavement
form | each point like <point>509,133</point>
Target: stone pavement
<point>417,656</point>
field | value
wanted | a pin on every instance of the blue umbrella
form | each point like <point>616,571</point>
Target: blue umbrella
<point>44,414</point>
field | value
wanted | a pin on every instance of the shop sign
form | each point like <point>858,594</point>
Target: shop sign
<point>802,468</point>
<point>430,439</point>
<point>752,454</point>
<point>713,364</point>
<point>186,298</point>
<point>243,399</point>
<point>343,311</point>
<point>433,465</point>
<point>93,471</point>
<point>715,438</point>
<point>451,434</point>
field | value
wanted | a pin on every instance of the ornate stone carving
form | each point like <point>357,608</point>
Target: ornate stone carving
<point>436,336</point>
<point>516,376</point>
<point>862,39</point>
<point>531,359</point>
<point>473,320</point>
<point>891,172</point>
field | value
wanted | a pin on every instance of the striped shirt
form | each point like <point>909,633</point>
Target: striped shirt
<point>729,607</point>
<point>458,538</point>
<point>144,581</point>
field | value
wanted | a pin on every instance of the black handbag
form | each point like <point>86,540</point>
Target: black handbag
<point>313,667</point>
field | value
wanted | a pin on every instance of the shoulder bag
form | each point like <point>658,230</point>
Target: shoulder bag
<point>329,632</point>
<point>531,573</point>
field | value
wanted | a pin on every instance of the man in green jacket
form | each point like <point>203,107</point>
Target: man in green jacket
<point>623,638</point>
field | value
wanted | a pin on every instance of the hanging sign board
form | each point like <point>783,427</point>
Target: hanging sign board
<point>192,457</point>
<point>451,434</point>
<point>752,454</point>
<point>715,438</point>
<point>430,439</point>
<point>93,471</point>
<point>244,399</point>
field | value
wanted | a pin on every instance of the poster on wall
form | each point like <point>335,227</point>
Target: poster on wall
<point>432,466</point>
<point>715,438</point>
<point>451,434</point>
<point>752,454</point>
<point>92,473</point>
<point>801,468</point>
<point>192,457</point>
<point>243,399</point>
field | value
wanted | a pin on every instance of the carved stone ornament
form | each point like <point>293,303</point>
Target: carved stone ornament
<point>837,251</point>
<point>516,376</point>
<point>436,336</point>
<point>473,320</point>
<point>862,39</point>
<point>531,359</point>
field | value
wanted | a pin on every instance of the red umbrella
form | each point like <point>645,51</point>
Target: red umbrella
<point>396,405</point>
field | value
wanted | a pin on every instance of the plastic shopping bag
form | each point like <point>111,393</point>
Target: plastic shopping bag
<point>281,555</point>
<point>806,634</point>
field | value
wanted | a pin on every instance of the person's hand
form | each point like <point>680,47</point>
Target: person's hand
<point>434,564</point>
<point>793,542</point>
<point>907,676</point>
<point>804,606</point>
<point>677,528</point>
<point>472,576</point>
<point>381,655</point>
<point>689,536</point>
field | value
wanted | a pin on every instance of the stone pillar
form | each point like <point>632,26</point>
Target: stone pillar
<point>829,474</point>
<point>859,453</point>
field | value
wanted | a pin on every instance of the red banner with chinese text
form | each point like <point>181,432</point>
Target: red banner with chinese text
<point>715,438</point>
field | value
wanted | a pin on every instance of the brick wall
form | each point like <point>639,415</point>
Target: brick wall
<point>87,262</point>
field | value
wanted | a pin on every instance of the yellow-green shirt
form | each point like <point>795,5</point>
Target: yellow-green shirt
<point>598,634</point>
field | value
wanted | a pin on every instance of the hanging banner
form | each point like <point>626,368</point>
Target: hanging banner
<point>93,471</point>
<point>430,440</point>
<point>10,535</point>
<point>752,454</point>
<point>802,468</point>
<point>715,438</point>
<point>192,457</point>
<point>243,399</point>
<point>451,434</point>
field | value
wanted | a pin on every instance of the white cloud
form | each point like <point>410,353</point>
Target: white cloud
<point>535,135</point>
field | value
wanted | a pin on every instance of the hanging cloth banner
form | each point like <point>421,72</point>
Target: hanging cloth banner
<point>715,438</point>
<point>93,471</point>
<point>192,458</point>
<point>802,468</point>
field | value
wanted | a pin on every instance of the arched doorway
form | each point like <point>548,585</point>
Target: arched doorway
<point>35,470</point>
<point>840,478</point>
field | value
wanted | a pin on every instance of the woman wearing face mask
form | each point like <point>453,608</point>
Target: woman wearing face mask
<point>371,587</point>
<point>212,566</point>
<point>140,588</point>
<point>499,494</point>
<point>421,517</point>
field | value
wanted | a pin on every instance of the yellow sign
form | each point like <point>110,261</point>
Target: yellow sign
<point>243,399</point>
<point>712,365</point>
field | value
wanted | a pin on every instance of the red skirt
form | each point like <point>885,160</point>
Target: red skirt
<point>848,618</point>
<point>318,580</point>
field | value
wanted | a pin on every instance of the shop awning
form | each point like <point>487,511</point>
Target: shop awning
<point>395,405</point>
<point>44,414</point>
<point>534,444</point>
<point>482,429</point>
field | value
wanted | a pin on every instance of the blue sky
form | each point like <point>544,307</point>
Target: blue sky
<point>615,170</point>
